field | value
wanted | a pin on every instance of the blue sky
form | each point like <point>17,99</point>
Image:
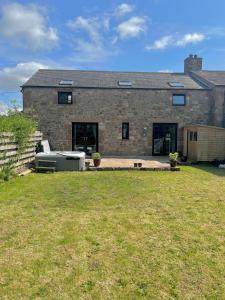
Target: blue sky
<point>137,35</point>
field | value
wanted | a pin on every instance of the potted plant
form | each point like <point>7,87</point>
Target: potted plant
<point>96,159</point>
<point>173,159</point>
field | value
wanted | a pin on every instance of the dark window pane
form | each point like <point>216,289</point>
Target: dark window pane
<point>164,138</point>
<point>179,100</point>
<point>64,97</point>
<point>125,131</point>
<point>195,136</point>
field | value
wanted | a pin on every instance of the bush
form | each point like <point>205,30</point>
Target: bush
<point>173,156</point>
<point>7,171</point>
<point>96,156</point>
<point>21,126</point>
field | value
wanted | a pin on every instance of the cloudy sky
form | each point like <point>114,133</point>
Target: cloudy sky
<point>136,35</point>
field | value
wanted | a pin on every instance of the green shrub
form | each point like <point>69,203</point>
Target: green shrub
<point>96,156</point>
<point>7,171</point>
<point>21,126</point>
<point>173,156</point>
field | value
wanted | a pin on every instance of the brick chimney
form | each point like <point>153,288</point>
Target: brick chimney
<point>192,63</point>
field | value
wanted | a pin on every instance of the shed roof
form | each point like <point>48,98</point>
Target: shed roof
<point>107,79</point>
<point>203,126</point>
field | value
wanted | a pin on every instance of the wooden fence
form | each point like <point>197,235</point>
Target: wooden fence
<point>8,149</point>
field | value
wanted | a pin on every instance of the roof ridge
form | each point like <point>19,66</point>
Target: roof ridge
<point>116,71</point>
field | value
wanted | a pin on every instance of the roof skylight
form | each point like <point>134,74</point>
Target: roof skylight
<point>125,83</point>
<point>66,82</point>
<point>176,84</point>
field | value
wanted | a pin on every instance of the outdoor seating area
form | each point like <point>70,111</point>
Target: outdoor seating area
<point>50,161</point>
<point>148,163</point>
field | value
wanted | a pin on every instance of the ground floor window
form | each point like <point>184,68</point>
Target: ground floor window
<point>125,131</point>
<point>164,138</point>
<point>85,137</point>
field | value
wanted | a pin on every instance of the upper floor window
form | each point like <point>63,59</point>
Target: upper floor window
<point>125,131</point>
<point>64,97</point>
<point>179,100</point>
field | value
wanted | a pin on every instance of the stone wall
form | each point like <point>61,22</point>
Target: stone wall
<point>109,108</point>
<point>218,112</point>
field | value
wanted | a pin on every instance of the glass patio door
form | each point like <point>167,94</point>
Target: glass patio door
<point>164,138</point>
<point>85,137</point>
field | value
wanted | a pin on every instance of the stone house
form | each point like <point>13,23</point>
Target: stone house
<point>124,113</point>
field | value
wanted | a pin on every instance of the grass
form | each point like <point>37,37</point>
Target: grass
<point>114,235</point>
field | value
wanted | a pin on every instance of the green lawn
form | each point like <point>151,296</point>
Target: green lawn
<point>114,235</point>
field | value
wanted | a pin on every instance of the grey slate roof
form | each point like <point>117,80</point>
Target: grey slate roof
<point>106,79</point>
<point>213,77</point>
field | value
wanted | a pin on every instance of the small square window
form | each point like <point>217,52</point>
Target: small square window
<point>125,83</point>
<point>125,131</point>
<point>195,137</point>
<point>64,97</point>
<point>179,100</point>
<point>176,84</point>
<point>66,82</point>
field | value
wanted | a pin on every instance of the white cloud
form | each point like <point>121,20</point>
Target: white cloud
<point>165,71</point>
<point>91,26</point>
<point>106,23</point>
<point>190,38</point>
<point>123,9</point>
<point>89,52</point>
<point>94,39</point>
<point>25,26</point>
<point>169,40</point>
<point>13,77</point>
<point>3,108</point>
<point>95,48</point>
<point>162,43</point>
<point>131,28</point>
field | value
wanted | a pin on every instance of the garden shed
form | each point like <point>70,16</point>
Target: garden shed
<point>204,143</point>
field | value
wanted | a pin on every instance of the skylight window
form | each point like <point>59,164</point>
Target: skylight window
<point>176,84</point>
<point>66,82</point>
<point>125,83</point>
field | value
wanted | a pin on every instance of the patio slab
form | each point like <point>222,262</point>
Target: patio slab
<point>126,163</point>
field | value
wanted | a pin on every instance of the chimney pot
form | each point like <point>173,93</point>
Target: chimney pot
<point>192,63</point>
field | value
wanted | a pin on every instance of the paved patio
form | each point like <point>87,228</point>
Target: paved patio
<point>118,162</point>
